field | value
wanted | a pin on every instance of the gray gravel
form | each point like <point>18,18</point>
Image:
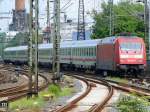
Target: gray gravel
<point>52,105</point>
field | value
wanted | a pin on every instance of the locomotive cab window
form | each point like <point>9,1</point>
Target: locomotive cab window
<point>130,46</point>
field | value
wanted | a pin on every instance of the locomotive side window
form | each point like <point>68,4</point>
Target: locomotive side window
<point>130,46</point>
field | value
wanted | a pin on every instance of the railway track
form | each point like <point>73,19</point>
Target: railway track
<point>19,91</point>
<point>111,85</point>
<point>2,77</point>
<point>124,87</point>
<point>75,105</point>
<point>97,106</point>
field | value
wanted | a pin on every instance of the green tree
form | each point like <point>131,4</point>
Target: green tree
<point>127,18</point>
<point>21,39</point>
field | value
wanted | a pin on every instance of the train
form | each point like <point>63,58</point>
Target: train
<point>111,55</point>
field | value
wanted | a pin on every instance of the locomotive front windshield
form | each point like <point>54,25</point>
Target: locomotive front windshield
<point>130,46</point>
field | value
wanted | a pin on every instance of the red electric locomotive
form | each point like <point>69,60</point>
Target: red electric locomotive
<point>125,55</point>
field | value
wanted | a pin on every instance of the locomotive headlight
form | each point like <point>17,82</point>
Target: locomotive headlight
<point>140,60</point>
<point>122,60</point>
<point>124,56</point>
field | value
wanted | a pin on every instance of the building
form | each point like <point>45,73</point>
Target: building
<point>19,20</point>
<point>68,31</point>
<point>88,34</point>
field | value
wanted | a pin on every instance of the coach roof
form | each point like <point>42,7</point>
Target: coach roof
<point>66,44</point>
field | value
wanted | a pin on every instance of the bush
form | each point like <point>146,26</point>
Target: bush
<point>54,89</point>
<point>132,104</point>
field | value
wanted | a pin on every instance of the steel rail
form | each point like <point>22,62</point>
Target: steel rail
<point>94,108</point>
<point>72,103</point>
<point>19,91</point>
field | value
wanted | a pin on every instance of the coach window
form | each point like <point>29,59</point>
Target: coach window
<point>65,51</point>
<point>81,51</point>
<point>86,51</point>
<point>69,51</point>
<point>60,51</point>
<point>94,51</point>
<point>83,54</point>
<point>25,53</point>
<point>75,51</point>
<point>50,52</point>
<point>89,51</point>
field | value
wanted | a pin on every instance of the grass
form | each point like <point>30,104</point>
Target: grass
<point>66,91</point>
<point>32,103</point>
<point>38,102</point>
<point>117,79</point>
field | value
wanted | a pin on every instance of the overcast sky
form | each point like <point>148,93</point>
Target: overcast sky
<point>71,11</point>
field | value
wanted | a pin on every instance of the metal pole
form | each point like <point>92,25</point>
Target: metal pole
<point>81,21</point>
<point>48,13</point>
<point>36,45</point>
<point>30,51</point>
<point>2,48</point>
<point>48,22</point>
<point>56,41</point>
<point>149,28</point>
<point>110,17</point>
<point>145,21</point>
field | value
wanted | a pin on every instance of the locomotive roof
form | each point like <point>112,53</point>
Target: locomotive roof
<point>65,44</point>
<point>110,40</point>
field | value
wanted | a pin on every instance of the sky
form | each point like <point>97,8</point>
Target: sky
<point>71,11</point>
